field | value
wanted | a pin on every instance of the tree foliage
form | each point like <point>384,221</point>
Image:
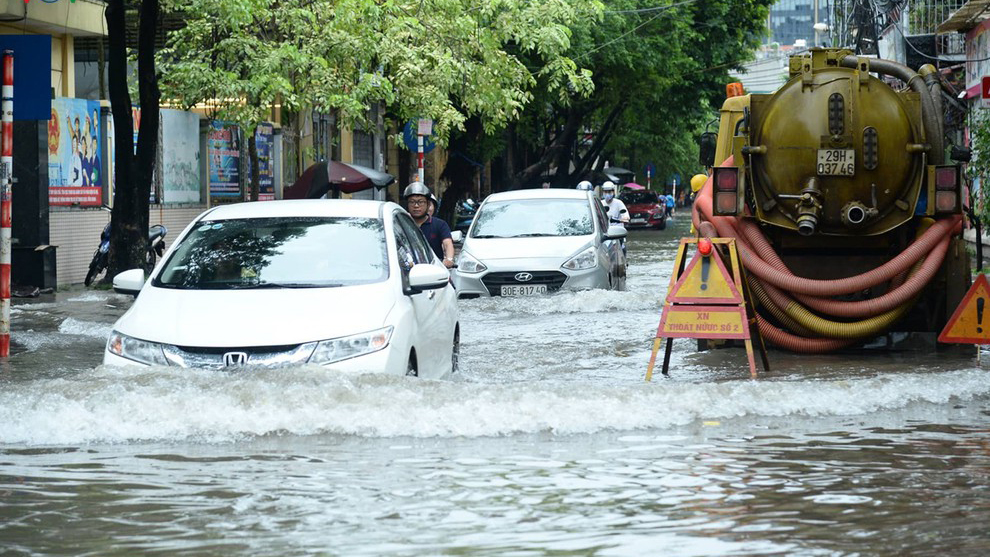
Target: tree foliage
<point>658,72</point>
<point>447,60</point>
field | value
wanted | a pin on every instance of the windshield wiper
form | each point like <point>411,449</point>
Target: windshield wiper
<point>485,236</point>
<point>261,285</point>
<point>531,235</point>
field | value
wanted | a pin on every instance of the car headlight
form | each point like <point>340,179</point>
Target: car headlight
<point>468,264</point>
<point>586,259</point>
<point>337,349</point>
<point>143,351</point>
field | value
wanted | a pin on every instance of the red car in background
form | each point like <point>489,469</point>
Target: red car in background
<point>646,209</point>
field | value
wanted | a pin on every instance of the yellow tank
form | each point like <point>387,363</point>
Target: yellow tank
<point>835,151</point>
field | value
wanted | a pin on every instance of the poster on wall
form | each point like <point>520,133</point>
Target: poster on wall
<point>224,159</point>
<point>75,174</point>
<point>180,156</point>
<point>265,139</point>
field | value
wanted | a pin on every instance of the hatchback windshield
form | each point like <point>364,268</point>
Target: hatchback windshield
<point>533,217</point>
<point>294,252</point>
<point>638,197</point>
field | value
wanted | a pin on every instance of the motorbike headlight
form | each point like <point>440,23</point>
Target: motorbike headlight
<point>143,351</point>
<point>337,349</point>
<point>468,264</point>
<point>585,259</point>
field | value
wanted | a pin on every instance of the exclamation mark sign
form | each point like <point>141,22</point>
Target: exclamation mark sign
<point>980,302</point>
<point>706,263</point>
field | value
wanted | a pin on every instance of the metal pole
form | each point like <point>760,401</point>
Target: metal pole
<point>817,42</point>
<point>6,169</point>
<point>420,157</point>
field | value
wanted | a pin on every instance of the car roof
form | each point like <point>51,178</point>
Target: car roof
<point>300,208</point>
<point>549,193</point>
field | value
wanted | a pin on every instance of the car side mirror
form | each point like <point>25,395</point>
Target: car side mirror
<point>457,236</point>
<point>615,232</point>
<point>426,276</point>
<point>706,147</point>
<point>129,282</point>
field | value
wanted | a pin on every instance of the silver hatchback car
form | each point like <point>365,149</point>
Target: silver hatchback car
<point>531,242</point>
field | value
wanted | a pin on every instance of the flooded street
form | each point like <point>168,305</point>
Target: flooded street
<point>548,442</point>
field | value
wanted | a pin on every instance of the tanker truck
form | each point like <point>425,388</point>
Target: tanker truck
<point>846,212</point>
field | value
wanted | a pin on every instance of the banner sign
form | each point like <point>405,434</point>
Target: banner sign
<point>74,147</point>
<point>180,156</point>
<point>224,159</point>
<point>264,137</point>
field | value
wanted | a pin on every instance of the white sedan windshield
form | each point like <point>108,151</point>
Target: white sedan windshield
<point>295,252</point>
<point>533,217</point>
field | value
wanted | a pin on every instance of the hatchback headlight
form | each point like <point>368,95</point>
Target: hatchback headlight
<point>337,349</point>
<point>143,351</point>
<point>586,259</point>
<point>468,264</point>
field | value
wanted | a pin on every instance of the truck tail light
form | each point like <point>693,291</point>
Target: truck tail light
<point>726,181</point>
<point>947,189</point>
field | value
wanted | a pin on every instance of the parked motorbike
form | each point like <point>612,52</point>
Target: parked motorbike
<point>465,212</point>
<point>154,250</point>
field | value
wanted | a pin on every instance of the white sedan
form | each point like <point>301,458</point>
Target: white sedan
<point>531,242</point>
<point>347,284</point>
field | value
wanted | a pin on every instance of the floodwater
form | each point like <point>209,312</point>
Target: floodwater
<point>549,442</point>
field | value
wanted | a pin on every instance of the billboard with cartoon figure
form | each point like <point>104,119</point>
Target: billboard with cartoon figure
<point>75,174</point>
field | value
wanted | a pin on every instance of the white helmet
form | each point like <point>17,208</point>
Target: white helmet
<point>585,185</point>
<point>608,186</point>
<point>416,188</point>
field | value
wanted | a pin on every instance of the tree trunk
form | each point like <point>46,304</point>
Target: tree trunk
<point>560,143</point>
<point>134,173</point>
<point>460,170</point>
<point>253,158</point>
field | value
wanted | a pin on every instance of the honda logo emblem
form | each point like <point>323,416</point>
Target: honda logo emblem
<point>235,359</point>
<point>524,277</point>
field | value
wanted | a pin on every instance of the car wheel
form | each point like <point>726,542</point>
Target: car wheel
<point>455,353</point>
<point>662,225</point>
<point>411,368</point>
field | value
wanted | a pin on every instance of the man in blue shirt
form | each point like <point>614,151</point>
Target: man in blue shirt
<point>437,232</point>
<point>669,201</point>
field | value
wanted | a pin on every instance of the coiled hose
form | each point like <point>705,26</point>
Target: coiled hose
<point>908,273</point>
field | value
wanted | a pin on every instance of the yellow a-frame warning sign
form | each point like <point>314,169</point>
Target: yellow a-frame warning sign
<point>706,301</point>
<point>970,323</point>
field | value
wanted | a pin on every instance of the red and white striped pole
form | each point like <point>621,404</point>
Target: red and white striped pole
<point>420,157</point>
<point>6,170</point>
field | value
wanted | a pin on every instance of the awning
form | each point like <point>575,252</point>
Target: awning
<point>969,15</point>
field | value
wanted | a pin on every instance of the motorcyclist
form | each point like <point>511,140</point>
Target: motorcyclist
<point>616,209</point>
<point>437,232</point>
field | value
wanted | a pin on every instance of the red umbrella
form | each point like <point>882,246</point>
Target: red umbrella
<point>341,177</point>
<point>634,186</point>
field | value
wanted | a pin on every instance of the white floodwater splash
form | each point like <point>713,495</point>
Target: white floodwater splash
<point>121,405</point>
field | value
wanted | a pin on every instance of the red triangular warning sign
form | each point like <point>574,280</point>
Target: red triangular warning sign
<point>705,281</point>
<point>970,323</point>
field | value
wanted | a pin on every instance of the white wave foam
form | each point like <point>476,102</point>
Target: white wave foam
<point>73,326</point>
<point>568,301</point>
<point>122,405</point>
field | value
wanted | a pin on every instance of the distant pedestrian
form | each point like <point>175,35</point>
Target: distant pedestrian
<point>669,201</point>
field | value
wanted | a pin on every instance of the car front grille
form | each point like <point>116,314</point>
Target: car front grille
<point>218,358</point>
<point>495,281</point>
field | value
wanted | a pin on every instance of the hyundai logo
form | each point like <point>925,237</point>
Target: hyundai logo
<point>524,277</point>
<point>235,359</point>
